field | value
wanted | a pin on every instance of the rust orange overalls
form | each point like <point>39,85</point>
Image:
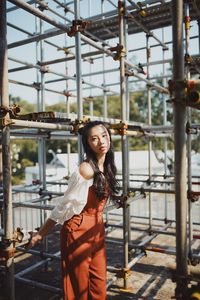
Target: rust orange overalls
<point>83,254</point>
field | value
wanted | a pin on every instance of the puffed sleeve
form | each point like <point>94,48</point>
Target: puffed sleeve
<point>74,199</point>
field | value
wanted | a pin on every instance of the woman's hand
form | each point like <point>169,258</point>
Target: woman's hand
<point>43,231</point>
<point>35,238</point>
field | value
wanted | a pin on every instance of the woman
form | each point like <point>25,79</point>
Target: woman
<point>81,214</point>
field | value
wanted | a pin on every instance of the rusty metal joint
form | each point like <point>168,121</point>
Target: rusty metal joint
<point>79,124</point>
<point>123,273</point>
<point>37,85</point>
<point>193,196</point>
<point>142,11</point>
<point>5,122</point>
<point>175,85</point>
<point>6,254</point>
<point>78,26</point>
<point>188,59</point>
<point>120,51</point>
<point>121,8</point>
<point>121,201</point>
<point>141,69</point>
<point>65,50</point>
<point>67,93</point>
<point>3,111</point>
<point>128,72</point>
<point>187,22</point>
<point>14,110</point>
<point>193,261</point>
<point>120,128</point>
<point>6,251</point>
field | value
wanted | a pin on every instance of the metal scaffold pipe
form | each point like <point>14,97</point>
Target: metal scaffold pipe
<point>180,151</point>
<point>36,12</point>
<point>150,33</point>
<point>134,186</point>
<point>78,75</point>
<point>86,39</point>
<point>42,125</point>
<point>124,141</point>
<point>7,251</point>
<point>47,70</point>
<point>36,38</point>
<point>189,138</point>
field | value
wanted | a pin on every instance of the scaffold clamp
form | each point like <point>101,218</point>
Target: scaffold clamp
<point>193,196</point>
<point>129,72</point>
<point>121,8</point>
<point>191,91</point>
<point>6,251</point>
<point>78,26</point>
<point>123,273</point>
<point>193,261</point>
<point>3,111</point>
<point>188,59</point>
<point>12,110</point>
<point>121,201</point>
<point>67,93</point>
<point>42,5</point>
<point>4,118</point>
<point>37,85</point>
<point>176,84</point>
<point>65,50</point>
<point>141,69</point>
<point>120,51</point>
<point>78,124</point>
<point>44,69</point>
<point>120,128</point>
<point>142,11</point>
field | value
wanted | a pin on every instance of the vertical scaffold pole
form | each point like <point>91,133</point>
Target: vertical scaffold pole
<point>8,253</point>
<point>149,104</point>
<point>180,150</point>
<point>189,140</point>
<point>105,100</point>
<point>164,81</point>
<point>121,8</point>
<point>127,138</point>
<point>78,75</point>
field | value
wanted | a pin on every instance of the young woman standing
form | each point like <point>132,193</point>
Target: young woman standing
<point>80,211</point>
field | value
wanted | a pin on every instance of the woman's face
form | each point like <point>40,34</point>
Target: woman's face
<point>99,140</point>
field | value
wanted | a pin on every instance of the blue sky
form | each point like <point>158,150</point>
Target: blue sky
<point>27,53</point>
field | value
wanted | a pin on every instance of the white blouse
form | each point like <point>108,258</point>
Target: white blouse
<point>74,199</point>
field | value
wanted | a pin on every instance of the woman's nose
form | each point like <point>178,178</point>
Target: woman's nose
<point>101,141</point>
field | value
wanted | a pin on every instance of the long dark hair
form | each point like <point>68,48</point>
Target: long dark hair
<point>103,182</point>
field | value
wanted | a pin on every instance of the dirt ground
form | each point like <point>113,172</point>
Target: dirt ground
<point>149,278</point>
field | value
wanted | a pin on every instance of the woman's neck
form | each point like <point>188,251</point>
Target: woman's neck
<point>101,161</point>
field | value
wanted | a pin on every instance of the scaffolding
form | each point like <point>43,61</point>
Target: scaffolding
<point>101,43</point>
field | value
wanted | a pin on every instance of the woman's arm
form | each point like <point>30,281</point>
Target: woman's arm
<point>43,231</point>
<point>76,190</point>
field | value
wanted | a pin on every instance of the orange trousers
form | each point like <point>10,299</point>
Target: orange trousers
<point>83,257</point>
